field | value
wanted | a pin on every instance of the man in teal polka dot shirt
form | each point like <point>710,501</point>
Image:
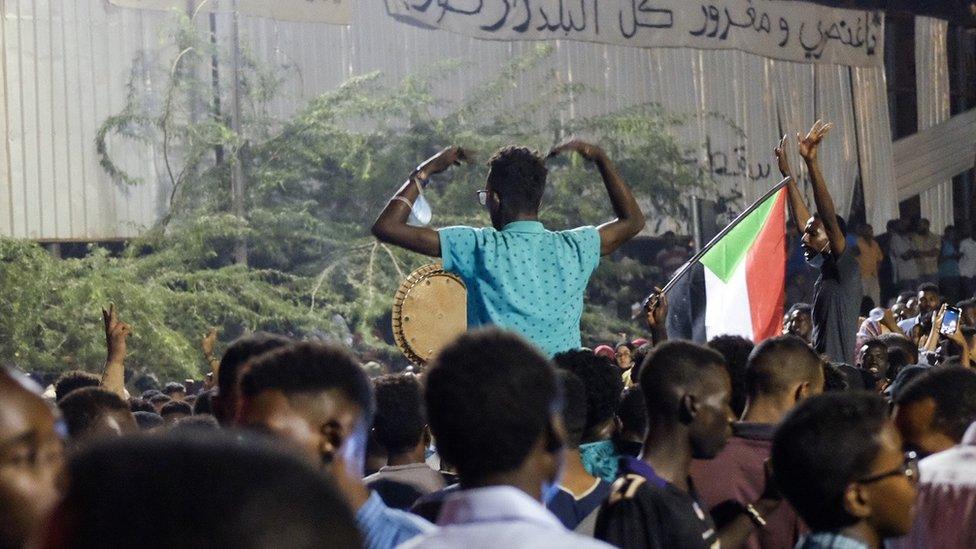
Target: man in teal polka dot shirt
<point>519,275</point>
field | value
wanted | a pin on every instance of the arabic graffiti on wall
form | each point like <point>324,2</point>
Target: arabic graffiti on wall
<point>792,31</point>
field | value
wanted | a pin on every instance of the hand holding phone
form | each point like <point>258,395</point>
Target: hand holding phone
<point>950,321</point>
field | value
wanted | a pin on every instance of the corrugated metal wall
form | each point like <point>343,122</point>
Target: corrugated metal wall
<point>66,64</point>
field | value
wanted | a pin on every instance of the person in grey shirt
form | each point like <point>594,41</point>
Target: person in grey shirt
<point>400,427</point>
<point>838,290</point>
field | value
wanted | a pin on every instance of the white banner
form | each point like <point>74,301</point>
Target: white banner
<point>337,12</point>
<point>791,31</point>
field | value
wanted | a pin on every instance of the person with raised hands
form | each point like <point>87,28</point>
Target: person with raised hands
<point>116,332</point>
<point>518,274</point>
<point>838,289</point>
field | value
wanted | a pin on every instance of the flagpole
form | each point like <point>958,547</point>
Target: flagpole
<point>687,266</point>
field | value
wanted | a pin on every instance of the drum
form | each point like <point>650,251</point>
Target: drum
<point>429,311</point>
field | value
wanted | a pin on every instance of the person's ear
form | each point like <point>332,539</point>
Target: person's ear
<point>857,501</point>
<point>555,437</point>
<point>332,440</point>
<point>688,407</point>
<point>801,392</point>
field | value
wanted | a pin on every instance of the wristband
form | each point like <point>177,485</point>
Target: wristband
<point>754,516</point>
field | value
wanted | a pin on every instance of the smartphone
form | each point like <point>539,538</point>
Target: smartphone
<point>950,321</point>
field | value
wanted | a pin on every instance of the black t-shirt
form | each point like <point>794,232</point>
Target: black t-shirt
<point>645,512</point>
<point>837,298</point>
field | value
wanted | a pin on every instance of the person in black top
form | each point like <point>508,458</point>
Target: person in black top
<point>653,504</point>
<point>838,291</point>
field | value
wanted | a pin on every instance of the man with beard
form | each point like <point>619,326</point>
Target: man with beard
<point>838,291</point>
<point>928,300</point>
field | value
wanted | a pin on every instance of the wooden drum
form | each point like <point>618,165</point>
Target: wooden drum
<point>429,311</point>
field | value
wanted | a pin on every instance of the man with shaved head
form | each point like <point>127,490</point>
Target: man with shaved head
<point>654,503</point>
<point>30,459</point>
<point>781,372</point>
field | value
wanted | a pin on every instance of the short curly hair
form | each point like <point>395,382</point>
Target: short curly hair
<point>518,175</point>
<point>602,381</point>
<point>83,407</point>
<point>823,445</point>
<point>72,380</point>
<point>400,415</point>
<point>490,398</point>
<point>311,368</point>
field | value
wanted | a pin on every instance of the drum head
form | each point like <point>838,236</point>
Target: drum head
<point>429,311</point>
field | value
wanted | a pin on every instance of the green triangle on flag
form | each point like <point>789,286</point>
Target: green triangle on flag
<point>726,254</point>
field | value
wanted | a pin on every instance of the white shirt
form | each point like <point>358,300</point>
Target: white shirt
<point>904,269</point>
<point>499,517</point>
<point>946,506</point>
<point>967,263</point>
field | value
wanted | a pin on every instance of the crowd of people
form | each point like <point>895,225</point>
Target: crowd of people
<point>515,435</point>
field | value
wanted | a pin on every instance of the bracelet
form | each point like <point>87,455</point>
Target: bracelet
<point>420,181</point>
<point>754,516</point>
<point>404,200</point>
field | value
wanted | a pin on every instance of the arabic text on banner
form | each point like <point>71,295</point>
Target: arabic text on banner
<point>792,31</point>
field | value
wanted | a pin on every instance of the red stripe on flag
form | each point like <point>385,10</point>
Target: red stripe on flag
<point>766,273</point>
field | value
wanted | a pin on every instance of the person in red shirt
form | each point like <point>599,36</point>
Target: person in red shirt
<point>781,372</point>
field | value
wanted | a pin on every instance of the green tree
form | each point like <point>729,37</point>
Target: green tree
<point>315,183</point>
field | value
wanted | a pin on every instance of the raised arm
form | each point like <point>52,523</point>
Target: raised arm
<point>630,219</point>
<point>656,314</point>
<point>798,208</point>
<point>207,345</point>
<point>113,377</point>
<point>391,226</point>
<point>809,150</point>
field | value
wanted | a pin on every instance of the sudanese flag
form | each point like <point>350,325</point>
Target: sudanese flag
<point>735,286</point>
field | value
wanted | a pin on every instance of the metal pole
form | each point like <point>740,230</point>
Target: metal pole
<point>696,227</point>
<point>237,172</point>
<point>215,79</point>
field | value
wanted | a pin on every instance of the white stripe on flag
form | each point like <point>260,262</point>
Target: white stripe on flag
<point>727,305</point>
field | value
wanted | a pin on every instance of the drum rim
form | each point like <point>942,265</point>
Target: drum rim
<point>413,279</point>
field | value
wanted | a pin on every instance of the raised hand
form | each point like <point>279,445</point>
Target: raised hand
<point>209,342</point>
<point>782,159</point>
<point>450,156</point>
<point>587,150</point>
<point>656,309</point>
<point>116,332</point>
<point>809,146</point>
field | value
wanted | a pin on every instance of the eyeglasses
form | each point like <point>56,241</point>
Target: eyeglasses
<point>909,469</point>
<point>482,197</point>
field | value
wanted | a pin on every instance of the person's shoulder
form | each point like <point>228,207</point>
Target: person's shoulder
<point>464,230</point>
<point>408,522</point>
<point>578,233</point>
<point>630,488</point>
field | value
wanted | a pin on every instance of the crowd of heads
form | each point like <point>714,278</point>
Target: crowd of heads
<point>275,452</point>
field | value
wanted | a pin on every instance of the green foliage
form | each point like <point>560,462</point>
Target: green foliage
<point>314,185</point>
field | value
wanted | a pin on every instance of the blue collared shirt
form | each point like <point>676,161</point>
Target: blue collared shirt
<point>385,528</point>
<point>525,278</point>
<point>499,516</point>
